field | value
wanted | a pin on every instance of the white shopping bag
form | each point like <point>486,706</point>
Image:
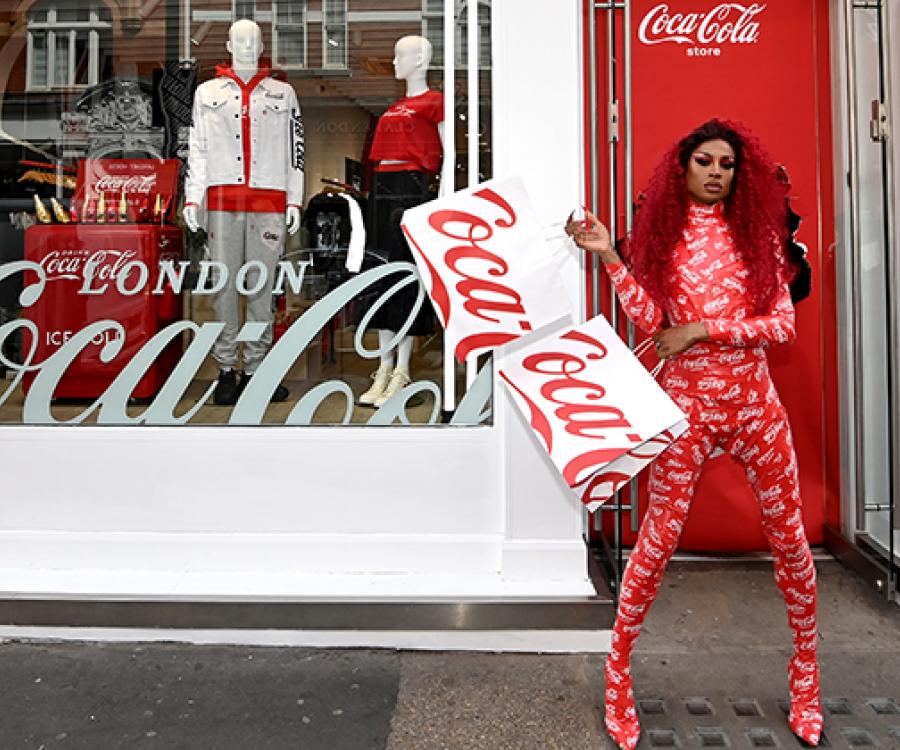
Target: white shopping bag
<point>592,405</point>
<point>486,266</point>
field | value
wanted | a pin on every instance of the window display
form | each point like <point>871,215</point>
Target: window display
<point>214,237</point>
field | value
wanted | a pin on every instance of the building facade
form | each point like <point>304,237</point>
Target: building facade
<point>127,482</point>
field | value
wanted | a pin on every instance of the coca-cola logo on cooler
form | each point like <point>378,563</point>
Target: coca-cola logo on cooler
<point>706,31</point>
<point>125,183</point>
<point>105,265</point>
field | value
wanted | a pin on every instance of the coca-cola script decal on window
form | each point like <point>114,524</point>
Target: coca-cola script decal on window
<point>597,412</point>
<point>705,31</point>
<point>483,258</point>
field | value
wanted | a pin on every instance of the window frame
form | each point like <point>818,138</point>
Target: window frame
<point>436,17</point>
<point>303,25</point>
<point>52,29</point>
<point>326,26</point>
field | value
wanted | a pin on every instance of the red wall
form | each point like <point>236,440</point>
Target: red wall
<point>774,78</point>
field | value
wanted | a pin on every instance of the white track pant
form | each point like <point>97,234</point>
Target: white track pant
<point>237,239</point>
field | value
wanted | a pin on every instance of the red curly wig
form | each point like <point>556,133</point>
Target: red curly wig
<point>755,210</point>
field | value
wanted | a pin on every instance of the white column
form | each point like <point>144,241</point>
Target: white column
<point>537,90</point>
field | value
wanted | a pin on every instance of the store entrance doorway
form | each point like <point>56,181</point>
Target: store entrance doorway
<point>871,282</point>
<point>654,72</point>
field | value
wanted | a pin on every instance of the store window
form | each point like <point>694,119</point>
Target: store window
<point>182,243</point>
<point>65,42</point>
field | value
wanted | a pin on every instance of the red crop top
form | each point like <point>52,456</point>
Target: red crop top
<point>408,133</point>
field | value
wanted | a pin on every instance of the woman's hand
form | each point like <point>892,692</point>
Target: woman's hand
<point>592,236</point>
<point>672,341</point>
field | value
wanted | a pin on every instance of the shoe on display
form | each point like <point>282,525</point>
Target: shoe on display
<point>399,380</point>
<point>281,392</point>
<point>226,393</point>
<point>381,376</point>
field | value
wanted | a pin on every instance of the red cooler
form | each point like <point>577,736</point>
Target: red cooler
<point>65,251</point>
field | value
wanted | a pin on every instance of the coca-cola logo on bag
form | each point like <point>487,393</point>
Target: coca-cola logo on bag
<point>725,23</point>
<point>76,265</point>
<point>479,273</point>
<point>578,403</point>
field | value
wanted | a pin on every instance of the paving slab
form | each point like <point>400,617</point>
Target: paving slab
<point>100,697</point>
<point>495,702</point>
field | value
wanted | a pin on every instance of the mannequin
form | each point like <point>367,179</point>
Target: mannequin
<point>408,147</point>
<point>246,161</point>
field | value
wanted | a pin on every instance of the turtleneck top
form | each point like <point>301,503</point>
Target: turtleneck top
<point>710,286</point>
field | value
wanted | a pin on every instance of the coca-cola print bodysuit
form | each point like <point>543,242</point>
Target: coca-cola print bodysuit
<point>724,387</point>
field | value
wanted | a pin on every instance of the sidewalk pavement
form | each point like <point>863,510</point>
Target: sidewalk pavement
<point>710,671</point>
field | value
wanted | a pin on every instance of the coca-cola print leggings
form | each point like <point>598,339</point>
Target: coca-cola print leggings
<point>764,448</point>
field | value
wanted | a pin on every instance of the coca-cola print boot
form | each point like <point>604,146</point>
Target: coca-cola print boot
<point>795,575</point>
<point>805,717</point>
<point>621,713</point>
<point>798,579</point>
<point>655,544</point>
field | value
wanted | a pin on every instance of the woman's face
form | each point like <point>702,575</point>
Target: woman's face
<point>710,172</point>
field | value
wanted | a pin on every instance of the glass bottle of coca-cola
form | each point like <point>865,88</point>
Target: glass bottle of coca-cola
<point>89,210</point>
<point>112,210</point>
<point>143,208</point>
<point>40,211</point>
<point>123,208</point>
<point>60,213</point>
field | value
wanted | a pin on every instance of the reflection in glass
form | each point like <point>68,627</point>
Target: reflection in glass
<point>343,76</point>
<point>38,60</point>
<point>61,60</point>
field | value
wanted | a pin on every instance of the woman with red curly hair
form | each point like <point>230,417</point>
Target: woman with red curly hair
<point>707,278</point>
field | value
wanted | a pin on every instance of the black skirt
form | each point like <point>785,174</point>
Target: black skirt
<point>392,193</point>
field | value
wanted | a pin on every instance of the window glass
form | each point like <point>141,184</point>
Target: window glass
<point>61,60</point>
<point>72,12</point>
<point>244,9</point>
<point>335,49</point>
<point>38,59</point>
<point>82,58</point>
<point>289,34</point>
<point>176,269</point>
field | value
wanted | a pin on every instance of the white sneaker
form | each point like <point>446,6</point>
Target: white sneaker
<point>399,380</point>
<point>381,376</point>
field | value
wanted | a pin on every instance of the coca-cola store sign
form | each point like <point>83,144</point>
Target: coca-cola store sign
<point>705,32</point>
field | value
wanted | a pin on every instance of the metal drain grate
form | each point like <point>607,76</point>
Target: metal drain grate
<point>698,706</point>
<point>746,707</point>
<point>858,737</point>
<point>662,738</point>
<point>883,706</point>
<point>753,721</point>
<point>762,737</point>
<point>837,706</point>
<point>652,707</point>
<point>712,737</point>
